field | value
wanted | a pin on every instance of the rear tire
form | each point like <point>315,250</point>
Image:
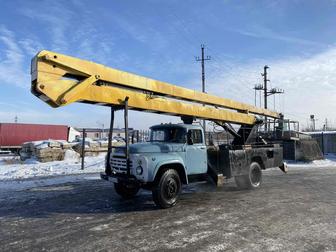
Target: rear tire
<point>166,192</point>
<point>252,180</point>
<point>126,191</point>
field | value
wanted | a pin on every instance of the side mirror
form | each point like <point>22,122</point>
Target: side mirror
<point>189,138</point>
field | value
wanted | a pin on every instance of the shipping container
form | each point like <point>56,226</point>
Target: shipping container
<point>13,135</point>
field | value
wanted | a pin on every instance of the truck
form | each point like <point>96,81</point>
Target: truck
<point>176,154</point>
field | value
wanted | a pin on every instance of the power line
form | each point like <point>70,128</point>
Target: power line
<point>191,37</point>
<point>257,87</point>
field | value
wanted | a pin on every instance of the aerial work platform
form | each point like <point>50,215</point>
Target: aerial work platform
<point>60,80</point>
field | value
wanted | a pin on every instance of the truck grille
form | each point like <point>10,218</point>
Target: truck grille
<point>119,164</point>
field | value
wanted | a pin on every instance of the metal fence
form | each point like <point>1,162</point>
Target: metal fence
<point>326,140</point>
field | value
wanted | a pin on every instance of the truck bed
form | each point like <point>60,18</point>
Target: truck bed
<point>229,162</point>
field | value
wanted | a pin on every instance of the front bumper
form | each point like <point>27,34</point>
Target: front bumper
<point>119,178</point>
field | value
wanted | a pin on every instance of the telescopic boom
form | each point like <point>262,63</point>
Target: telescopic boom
<point>59,80</point>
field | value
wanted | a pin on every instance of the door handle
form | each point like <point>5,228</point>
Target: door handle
<point>202,148</point>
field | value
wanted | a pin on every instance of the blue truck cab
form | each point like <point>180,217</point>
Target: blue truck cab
<point>167,147</point>
<point>173,153</point>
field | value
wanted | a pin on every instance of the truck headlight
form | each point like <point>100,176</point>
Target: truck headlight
<point>139,170</point>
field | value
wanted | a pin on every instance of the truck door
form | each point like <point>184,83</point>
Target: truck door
<point>196,153</point>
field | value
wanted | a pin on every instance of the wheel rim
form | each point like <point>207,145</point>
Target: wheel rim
<point>255,176</point>
<point>171,188</point>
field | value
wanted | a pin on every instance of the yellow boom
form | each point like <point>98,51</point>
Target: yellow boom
<point>60,80</point>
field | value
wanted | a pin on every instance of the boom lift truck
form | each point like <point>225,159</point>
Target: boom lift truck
<point>176,154</point>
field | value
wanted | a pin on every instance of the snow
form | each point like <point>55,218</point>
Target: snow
<point>35,143</point>
<point>71,155</point>
<point>16,174</point>
<point>23,184</point>
<point>328,161</point>
<point>13,169</point>
<point>319,132</point>
<point>42,145</point>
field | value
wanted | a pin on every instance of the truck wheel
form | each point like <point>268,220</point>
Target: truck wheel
<point>166,192</point>
<point>126,191</point>
<point>251,180</point>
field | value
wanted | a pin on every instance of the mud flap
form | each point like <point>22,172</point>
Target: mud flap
<point>217,179</point>
<point>284,167</point>
<point>220,180</point>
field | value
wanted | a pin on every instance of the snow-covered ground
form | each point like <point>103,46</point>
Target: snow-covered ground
<point>22,184</point>
<point>19,175</point>
<point>11,168</point>
<point>328,161</point>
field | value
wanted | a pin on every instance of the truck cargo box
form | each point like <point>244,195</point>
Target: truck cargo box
<point>13,135</point>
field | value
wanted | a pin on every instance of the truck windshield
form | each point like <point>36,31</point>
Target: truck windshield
<point>176,135</point>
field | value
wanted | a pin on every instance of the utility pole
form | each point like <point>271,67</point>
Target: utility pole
<point>202,59</point>
<point>102,129</point>
<point>265,86</point>
<point>313,120</point>
<point>267,92</point>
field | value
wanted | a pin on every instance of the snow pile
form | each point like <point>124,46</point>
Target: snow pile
<point>328,161</point>
<point>7,160</point>
<point>45,151</point>
<point>14,168</point>
<point>71,155</point>
<point>94,147</point>
<point>104,143</point>
<point>57,150</point>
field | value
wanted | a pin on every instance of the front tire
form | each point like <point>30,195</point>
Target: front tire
<point>126,191</point>
<point>166,192</point>
<point>252,180</point>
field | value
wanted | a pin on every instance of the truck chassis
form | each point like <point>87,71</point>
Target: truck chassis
<point>242,162</point>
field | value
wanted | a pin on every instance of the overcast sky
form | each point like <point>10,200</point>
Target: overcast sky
<point>159,39</point>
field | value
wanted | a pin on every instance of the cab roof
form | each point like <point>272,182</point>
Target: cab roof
<point>176,125</point>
